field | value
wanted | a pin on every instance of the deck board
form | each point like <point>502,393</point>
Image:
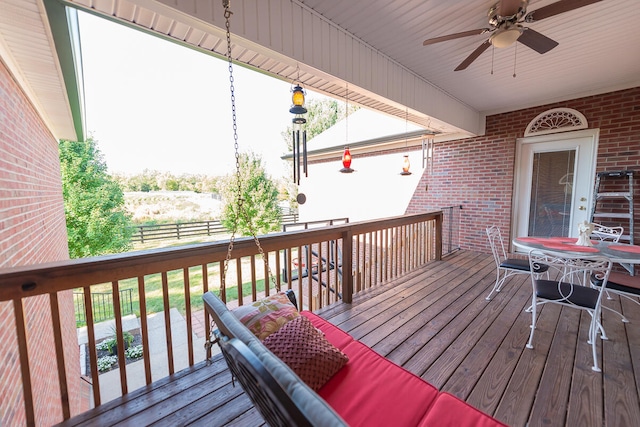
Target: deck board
<point>436,323</point>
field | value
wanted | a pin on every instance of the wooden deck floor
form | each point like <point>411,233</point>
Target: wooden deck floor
<point>436,323</point>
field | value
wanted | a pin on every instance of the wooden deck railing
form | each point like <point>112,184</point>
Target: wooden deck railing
<point>322,265</point>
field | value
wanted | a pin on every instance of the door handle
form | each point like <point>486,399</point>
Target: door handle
<point>583,199</point>
<point>582,208</point>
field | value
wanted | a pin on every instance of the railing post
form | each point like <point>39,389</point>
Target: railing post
<point>347,266</point>
<point>178,231</point>
<point>141,234</point>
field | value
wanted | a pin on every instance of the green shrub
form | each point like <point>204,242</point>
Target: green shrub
<point>111,343</point>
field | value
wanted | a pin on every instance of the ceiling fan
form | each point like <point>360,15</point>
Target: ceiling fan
<point>507,19</point>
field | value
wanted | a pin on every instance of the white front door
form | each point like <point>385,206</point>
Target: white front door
<point>554,178</point>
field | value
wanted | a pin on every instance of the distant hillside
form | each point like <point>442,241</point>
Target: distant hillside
<point>171,206</point>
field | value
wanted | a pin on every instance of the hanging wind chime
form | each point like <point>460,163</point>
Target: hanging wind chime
<point>406,165</point>
<point>427,157</point>
<point>298,120</point>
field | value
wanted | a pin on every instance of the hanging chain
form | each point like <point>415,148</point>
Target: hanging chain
<point>239,201</point>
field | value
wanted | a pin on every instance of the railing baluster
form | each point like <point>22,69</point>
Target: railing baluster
<point>420,233</point>
<point>187,314</point>
<point>384,246</point>
<point>412,251</point>
<point>356,265</point>
<point>398,252</point>
<point>122,362</point>
<point>390,246</point>
<point>265,274</point>
<point>146,350</point>
<point>338,281</point>
<point>223,296</point>
<point>62,371</point>
<point>368,257</point>
<point>405,248</point>
<point>239,281</point>
<point>167,320</point>
<point>91,345</point>
<point>347,263</point>
<point>379,256</point>
<point>254,285</point>
<point>300,287</point>
<point>278,269</point>
<point>374,256</point>
<point>309,262</point>
<point>324,273</point>
<point>23,349</point>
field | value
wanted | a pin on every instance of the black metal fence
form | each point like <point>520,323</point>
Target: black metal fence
<point>102,304</point>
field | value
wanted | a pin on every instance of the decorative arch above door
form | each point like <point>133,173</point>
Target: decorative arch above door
<point>556,120</point>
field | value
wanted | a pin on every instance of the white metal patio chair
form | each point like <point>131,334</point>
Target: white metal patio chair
<point>617,281</point>
<point>604,233</point>
<point>565,289</point>
<point>505,267</point>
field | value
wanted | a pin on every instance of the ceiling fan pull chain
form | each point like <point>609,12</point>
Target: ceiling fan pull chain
<point>515,58</point>
<point>493,53</point>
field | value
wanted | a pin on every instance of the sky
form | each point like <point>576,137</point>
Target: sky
<point>152,104</point>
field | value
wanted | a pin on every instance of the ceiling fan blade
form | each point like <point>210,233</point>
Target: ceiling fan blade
<point>557,8</point>
<point>536,41</point>
<point>474,55</point>
<point>455,36</point>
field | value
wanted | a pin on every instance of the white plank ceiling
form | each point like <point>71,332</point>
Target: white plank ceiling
<point>376,47</point>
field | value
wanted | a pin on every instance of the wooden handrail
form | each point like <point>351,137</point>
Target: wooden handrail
<point>348,258</point>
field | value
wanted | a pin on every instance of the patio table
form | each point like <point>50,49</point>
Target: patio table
<point>616,252</point>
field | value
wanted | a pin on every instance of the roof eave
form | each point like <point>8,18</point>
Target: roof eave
<point>63,22</point>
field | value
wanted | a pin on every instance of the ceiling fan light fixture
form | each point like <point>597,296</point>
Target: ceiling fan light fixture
<point>506,37</point>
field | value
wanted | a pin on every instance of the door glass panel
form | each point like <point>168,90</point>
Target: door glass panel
<point>551,188</point>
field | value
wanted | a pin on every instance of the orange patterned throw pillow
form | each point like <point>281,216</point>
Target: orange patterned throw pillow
<point>267,315</point>
<point>306,351</point>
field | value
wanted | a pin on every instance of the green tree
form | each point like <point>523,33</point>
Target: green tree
<point>172,184</point>
<point>259,198</point>
<point>97,222</point>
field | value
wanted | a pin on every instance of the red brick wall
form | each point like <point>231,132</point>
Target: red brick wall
<point>478,173</point>
<point>32,230</point>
